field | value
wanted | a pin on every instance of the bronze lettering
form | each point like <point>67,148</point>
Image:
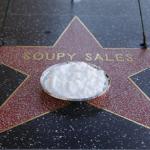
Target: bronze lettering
<point>38,56</point>
<point>71,56</point>
<point>119,57</point>
<point>50,56</point>
<point>60,55</point>
<point>27,56</point>
<point>99,57</point>
<point>88,57</point>
<point>129,58</point>
<point>108,58</point>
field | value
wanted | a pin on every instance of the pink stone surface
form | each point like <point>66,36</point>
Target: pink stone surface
<point>29,101</point>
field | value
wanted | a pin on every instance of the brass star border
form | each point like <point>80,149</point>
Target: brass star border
<point>29,102</point>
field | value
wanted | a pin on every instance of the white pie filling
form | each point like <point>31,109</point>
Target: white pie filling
<point>74,80</point>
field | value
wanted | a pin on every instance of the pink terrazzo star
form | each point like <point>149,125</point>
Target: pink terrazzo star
<point>75,43</point>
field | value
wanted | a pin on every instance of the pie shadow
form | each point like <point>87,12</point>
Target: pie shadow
<point>69,109</point>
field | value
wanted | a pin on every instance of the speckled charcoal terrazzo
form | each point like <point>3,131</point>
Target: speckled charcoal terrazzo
<point>78,125</point>
<point>142,80</point>
<point>10,79</point>
<point>76,43</point>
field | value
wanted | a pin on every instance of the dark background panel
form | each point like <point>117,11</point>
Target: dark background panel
<point>35,30</point>
<point>10,79</point>
<point>142,80</point>
<point>146,17</point>
<point>77,126</point>
<point>2,6</point>
<point>114,23</point>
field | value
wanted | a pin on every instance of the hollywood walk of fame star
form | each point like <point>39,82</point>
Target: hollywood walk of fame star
<point>29,101</point>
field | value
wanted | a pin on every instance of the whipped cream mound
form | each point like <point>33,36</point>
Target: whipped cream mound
<point>74,80</point>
